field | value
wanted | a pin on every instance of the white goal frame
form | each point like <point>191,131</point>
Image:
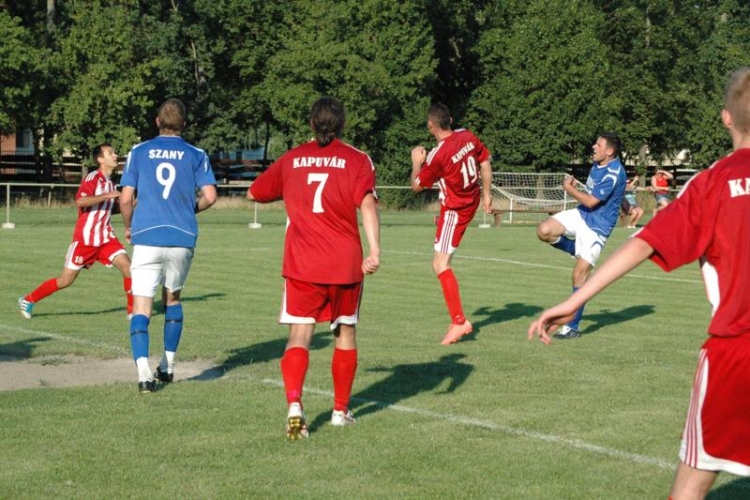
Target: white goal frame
<point>529,197</point>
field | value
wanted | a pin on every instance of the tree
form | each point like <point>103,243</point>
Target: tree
<point>545,91</point>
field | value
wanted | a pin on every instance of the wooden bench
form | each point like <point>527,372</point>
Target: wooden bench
<point>498,213</point>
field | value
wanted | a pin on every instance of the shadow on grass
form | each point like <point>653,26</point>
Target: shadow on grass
<point>508,312</point>
<point>21,349</point>
<point>260,353</point>
<point>405,381</point>
<point>157,309</point>
<point>739,488</point>
<point>608,318</point>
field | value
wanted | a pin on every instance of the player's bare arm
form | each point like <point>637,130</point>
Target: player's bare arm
<point>627,257</point>
<point>485,171</point>
<point>87,201</point>
<point>127,204</point>
<point>570,186</point>
<point>206,198</point>
<point>418,157</point>
<point>371,223</point>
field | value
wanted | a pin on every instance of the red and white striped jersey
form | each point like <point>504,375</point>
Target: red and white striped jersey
<point>94,227</point>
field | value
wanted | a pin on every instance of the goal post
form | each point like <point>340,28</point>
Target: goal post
<point>520,197</point>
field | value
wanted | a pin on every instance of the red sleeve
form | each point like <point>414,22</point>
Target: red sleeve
<point>682,232</point>
<point>87,187</point>
<point>365,180</point>
<point>269,185</point>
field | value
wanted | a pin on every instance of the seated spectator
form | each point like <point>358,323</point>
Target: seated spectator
<point>660,185</point>
<point>629,204</point>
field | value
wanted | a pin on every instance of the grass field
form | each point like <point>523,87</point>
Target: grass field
<point>494,416</point>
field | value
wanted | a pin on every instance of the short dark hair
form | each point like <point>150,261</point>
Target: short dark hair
<point>172,115</point>
<point>327,119</point>
<point>96,153</point>
<point>613,140</point>
<point>440,115</point>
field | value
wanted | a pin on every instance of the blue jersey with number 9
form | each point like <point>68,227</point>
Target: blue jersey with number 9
<point>166,172</point>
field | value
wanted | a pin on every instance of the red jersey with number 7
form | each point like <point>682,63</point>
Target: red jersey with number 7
<point>93,227</point>
<point>322,188</point>
<point>454,165</point>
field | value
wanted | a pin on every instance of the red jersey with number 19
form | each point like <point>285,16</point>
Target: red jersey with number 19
<point>93,227</point>
<point>322,187</point>
<point>454,165</point>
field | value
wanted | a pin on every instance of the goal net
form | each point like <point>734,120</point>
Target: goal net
<point>529,197</point>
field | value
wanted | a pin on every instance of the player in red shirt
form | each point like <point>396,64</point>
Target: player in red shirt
<point>93,237</point>
<point>456,164</point>
<point>322,183</point>
<point>709,222</point>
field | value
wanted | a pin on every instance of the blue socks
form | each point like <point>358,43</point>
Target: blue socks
<point>575,322</point>
<point>139,336</point>
<point>172,327</point>
<point>566,245</point>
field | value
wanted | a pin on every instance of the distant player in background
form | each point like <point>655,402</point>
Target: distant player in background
<point>709,222</point>
<point>583,231</point>
<point>322,183</point>
<point>660,185</point>
<point>166,172</point>
<point>629,204</point>
<point>93,238</point>
<point>456,165</point>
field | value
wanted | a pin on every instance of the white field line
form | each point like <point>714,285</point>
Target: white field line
<point>544,266</point>
<point>515,431</point>
<point>459,419</point>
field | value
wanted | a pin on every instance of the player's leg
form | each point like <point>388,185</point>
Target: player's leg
<point>691,484</point>
<point>176,268</point>
<point>589,245</point>
<point>554,231</point>
<point>302,305</point>
<point>146,272</point>
<point>451,227</point>
<point>345,302</point>
<point>78,256</point>
<point>122,262</point>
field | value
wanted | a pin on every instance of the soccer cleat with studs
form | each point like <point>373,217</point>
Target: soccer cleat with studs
<point>567,333</point>
<point>25,307</point>
<point>163,377</point>
<point>455,332</point>
<point>342,418</point>
<point>146,386</point>
<point>296,426</point>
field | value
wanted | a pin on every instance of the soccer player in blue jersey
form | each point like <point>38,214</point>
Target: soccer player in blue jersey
<point>165,173</point>
<point>582,231</point>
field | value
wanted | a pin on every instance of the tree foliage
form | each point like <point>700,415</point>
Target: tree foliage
<point>536,79</point>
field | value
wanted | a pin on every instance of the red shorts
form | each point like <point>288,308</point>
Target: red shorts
<point>80,255</point>
<point>310,303</point>
<point>717,429</point>
<point>451,226</point>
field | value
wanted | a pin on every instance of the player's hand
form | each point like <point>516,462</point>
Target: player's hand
<point>549,321</point>
<point>370,264</point>
<point>112,194</point>
<point>487,204</point>
<point>127,235</point>
<point>418,155</point>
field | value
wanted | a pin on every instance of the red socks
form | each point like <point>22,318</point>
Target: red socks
<point>293,370</point>
<point>452,296</point>
<point>343,368</point>
<point>127,285</point>
<point>44,290</point>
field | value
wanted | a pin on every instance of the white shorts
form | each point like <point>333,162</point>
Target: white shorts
<point>589,243</point>
<point>154,266</point>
